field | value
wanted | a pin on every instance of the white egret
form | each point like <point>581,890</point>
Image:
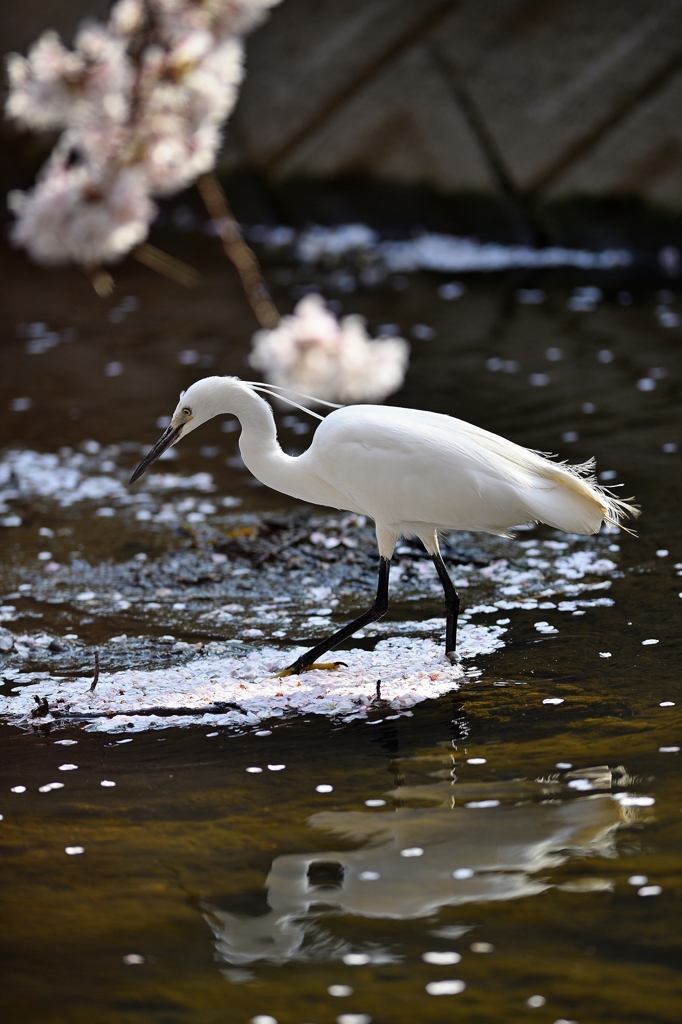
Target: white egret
<point>414,473</point>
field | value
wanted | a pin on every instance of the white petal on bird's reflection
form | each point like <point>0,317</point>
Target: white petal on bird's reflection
<point>505,850</point>
<point>356,959</point>
<point>441,957</point>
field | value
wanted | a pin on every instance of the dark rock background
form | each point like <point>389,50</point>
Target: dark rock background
<point>555,120</point>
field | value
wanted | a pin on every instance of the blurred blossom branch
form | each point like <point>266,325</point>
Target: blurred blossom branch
<point>238,251</point>
<point>167,265</point>
<point>139,103</point>
<point>315,353</point>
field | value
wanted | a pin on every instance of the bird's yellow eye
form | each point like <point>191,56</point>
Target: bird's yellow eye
<point>186,411</point>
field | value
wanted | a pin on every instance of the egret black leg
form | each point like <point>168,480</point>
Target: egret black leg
<point>377,611</point>
<point>451,607</point>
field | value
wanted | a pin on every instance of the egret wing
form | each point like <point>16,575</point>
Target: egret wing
<point>404,466</point>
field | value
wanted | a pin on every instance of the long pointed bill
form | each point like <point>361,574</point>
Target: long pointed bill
<point>169,437</point>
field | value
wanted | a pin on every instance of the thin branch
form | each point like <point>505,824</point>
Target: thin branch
<point>95,678</point>
<point>167,265</point>
<point>278,548</point>
<point>102,282</point>
<point>238,251</point>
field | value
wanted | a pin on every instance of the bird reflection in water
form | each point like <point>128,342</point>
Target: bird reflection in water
<point>414,861</point>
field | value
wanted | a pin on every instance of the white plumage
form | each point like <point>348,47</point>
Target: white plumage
<point>417,473</point>
<point>414,473</point>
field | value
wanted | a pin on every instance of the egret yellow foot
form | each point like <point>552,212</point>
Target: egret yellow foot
<point>327,666</point>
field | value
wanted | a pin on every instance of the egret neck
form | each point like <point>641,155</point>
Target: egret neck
<point>258,443</point>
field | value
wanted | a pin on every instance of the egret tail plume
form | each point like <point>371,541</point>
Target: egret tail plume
<point>577,503</point>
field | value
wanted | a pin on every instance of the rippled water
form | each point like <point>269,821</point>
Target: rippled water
<point>518,836</point>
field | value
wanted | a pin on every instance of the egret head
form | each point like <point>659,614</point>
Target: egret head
<point>201,402</point>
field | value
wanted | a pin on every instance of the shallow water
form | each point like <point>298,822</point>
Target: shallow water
<point>237,893</point>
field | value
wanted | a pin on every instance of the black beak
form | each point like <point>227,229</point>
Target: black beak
<point>169,437</point>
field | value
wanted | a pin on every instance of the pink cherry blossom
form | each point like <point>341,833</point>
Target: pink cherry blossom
<point>140,101</point>
<point>313,352</point>
<point>71,215</point>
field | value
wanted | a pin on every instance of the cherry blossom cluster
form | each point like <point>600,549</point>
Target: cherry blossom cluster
<point>311,351</point>
<point>139,102</point>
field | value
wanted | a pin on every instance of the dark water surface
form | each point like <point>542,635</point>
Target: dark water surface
<point>240,894</point>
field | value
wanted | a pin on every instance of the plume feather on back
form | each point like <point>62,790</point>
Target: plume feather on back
<point>591,503</point>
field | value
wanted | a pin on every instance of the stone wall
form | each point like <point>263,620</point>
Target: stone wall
<point>533,99</point>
